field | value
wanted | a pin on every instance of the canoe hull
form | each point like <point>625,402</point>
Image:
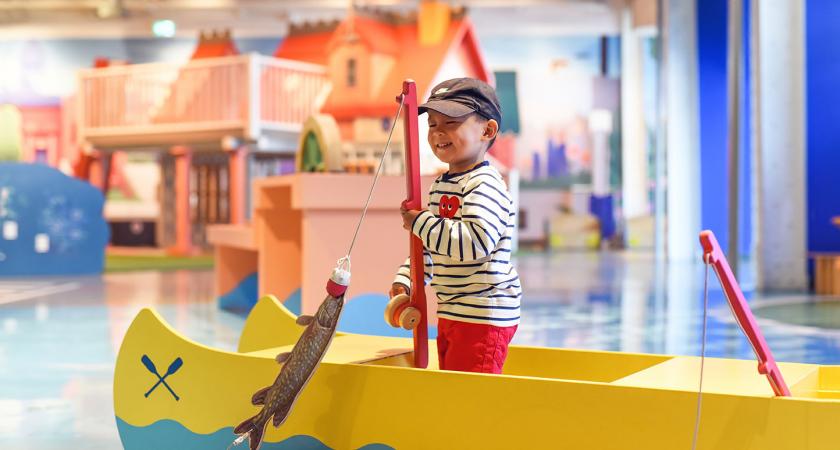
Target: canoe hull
<point>556,399</point>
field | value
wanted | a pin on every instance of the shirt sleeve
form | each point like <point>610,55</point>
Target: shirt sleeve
<point>485,213</point>
<point>404,271</point>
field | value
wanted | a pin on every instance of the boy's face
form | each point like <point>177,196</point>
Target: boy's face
<point>460,141</point>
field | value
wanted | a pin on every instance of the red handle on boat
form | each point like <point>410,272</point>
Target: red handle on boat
<point>712,254</point>
<point>413,201</point>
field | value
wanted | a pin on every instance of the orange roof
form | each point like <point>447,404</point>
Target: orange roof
<point>418,62</point>
<point>314,43</point>
<point>413,60</point>
<point>378,36</point>
<point>214,45</point>
<point>308,47</point>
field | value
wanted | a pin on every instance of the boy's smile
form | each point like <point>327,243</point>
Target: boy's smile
<point>458,141</point>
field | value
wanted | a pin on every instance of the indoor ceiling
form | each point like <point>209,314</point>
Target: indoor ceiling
<point>102,18</point>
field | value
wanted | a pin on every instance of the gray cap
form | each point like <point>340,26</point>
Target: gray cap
<point>461,96</point>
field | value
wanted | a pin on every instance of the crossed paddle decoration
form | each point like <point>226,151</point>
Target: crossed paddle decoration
<point>162,379</point>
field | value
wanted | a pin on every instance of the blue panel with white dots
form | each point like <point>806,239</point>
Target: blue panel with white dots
<point>50,223</point>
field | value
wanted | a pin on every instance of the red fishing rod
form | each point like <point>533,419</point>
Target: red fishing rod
<point>409,311</point>
<point>414,201</point>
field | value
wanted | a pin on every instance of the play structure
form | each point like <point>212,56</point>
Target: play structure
<point>366,388</point>
<point>368,53</point>
<point>212,123</point>
<point>223,120</point>
<point>297,228</point>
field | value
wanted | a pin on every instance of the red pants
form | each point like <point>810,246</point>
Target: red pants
<point>472,347</point>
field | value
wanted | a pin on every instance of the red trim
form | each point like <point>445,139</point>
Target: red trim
<point>334,289</point>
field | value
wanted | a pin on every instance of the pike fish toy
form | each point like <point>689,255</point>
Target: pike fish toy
<point>298,365</point>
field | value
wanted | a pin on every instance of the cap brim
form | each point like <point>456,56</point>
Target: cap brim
<point>446,107</point>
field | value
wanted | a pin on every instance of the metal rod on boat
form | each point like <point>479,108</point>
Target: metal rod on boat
<point>714,256</point>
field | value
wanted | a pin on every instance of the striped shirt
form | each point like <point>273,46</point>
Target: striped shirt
<point>466,235</point>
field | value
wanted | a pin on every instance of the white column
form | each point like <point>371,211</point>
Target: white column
<point>634,164</point>
<point>682,142</point>
<point>779,168</point>
<point>600,126</point>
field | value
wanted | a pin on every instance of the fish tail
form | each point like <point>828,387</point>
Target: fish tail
<point>256,437</point>
<point>253,430</point>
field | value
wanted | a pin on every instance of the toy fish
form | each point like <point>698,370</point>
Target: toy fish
<point>298,365</point>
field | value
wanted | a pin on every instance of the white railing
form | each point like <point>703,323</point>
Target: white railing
<point>296,88</point>
<point>250,93</point>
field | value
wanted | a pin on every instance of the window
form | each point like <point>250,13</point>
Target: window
<point>351,72</point>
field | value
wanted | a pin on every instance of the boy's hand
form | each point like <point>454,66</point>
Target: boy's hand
<point>397,289</point>
<point>408,216</point>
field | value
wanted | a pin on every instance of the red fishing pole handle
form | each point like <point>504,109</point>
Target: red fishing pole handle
<point>713,255</point>
<point>413,201</point>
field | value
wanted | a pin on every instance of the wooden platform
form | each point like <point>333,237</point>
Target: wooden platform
<point>827,273</point>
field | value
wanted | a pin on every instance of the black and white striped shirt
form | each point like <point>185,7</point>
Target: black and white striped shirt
<point>466,234</point>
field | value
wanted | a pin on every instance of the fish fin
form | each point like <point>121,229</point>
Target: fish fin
<point>283,357</point>
<point>304,320</point>
<point>245,426</point>
<point>259,396</point>
<point>281,415</point>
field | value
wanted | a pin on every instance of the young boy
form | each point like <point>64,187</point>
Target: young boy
<point>466,232</point>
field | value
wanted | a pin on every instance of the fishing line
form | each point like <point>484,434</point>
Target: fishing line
<point>376,176</point>
<point>702,353</point>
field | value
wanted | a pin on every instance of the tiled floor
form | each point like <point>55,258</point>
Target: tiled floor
<point>59,337</point>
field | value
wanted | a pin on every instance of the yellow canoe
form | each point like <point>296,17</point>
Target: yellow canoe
<point>364,395</point>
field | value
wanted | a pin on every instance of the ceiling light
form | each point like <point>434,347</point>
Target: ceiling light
<point>163,28</point>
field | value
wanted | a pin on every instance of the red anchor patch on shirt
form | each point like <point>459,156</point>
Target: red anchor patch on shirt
<point>448,206</point>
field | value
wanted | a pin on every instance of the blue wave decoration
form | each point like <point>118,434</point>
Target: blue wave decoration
<point>294,302</point>
<point>363,315</point>
<point>169,434</point>
<point>241,298</point>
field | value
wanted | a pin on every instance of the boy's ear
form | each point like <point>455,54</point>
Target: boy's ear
<point>491,129</point>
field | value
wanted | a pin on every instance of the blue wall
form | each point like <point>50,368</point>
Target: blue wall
<point>711,66</point>
<point>745,159</point>
<point>823,133</point>
<point>712,56</point>
<point>823,126</point>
